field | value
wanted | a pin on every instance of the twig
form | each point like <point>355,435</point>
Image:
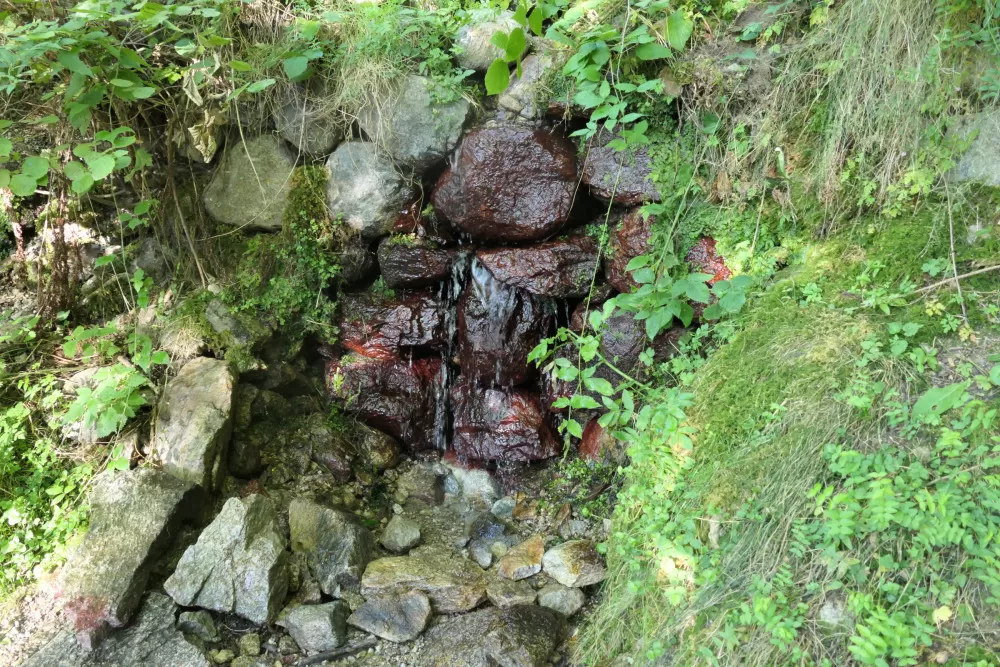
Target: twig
<point>954,268</point>
<point>954,279</point>
<point>337,653</point>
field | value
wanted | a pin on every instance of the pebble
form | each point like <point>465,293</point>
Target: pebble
<point>250,644</point>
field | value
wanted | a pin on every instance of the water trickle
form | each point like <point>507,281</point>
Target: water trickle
<point>451,289</point>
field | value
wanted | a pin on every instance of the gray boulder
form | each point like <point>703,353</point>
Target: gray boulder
<point>416,131</point>
<point>133,516</point>
<point>503,592</point>
<point>194,424</point>
<point>365,188</point>
<point>151,641</point>
<point>527,94</point>
<point>397,618</point>
<point>337,547</point>
<point>317,627</point>
<point>567,601</point>
<point>304,118</point>
<point>980,164</point>
<point>452,584</point>
<point>400,535</point>
<point>575,563</point>
<point>250,188</point>
<point>476,50</point>
<point>521,636</point>
<point>239,564</point>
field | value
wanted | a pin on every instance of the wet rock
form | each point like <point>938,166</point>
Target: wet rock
<point>503,592</point>
<point>400,535</point>
<point>250,644</point>
<point>599,445</point>
<point>250,188</point>
<point>409,262</point>
<point>336,545</point>
<point>193,422</point>
<point>500,425</point>
<point>365,188</point>
<point>509,184</point>
<point>421,482</point>
<point>558,269</point>
<point>475,484</point>
<point>317,627</point>
<point>704,258</point>
<point>524,560</point>
<point>631,239</point>
<point>414,129</point>
<point>239,564</point>
<point>377,328</point>
<point>519,636</point>
<point>615,175</point>
<point>376,450</point>
<point>575,564</point>
<point>525,92</point>
<point>198,623</point>
<point>504,508</point>
<point>150,640</point>
<point>452,584</point>
<point>978,164</point>
<point>396,396</point>
<point>304,119</point>
<point>567,601</point>
<point>498,326</point>
<point>397,618</point>
<point>329,447</point>
<point>476,50</point>
<point>105,577</point>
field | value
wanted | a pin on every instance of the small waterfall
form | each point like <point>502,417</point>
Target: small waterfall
<point>500,303</point>
<point>451,289</point>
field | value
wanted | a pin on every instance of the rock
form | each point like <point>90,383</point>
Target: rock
<point>421,482</point>
<point>631,239</point>
<point>509,184</point>
<point>379,327</point>
<point>498,326</point>
<point>198,623</point>
<point>484,534</point>
<point>193,422</point>
<point>304,118</point>
<point>500,425</point>
<point>251,661</point>
<point>377,451</point>
<point>105,576</point>
<point>575,564</point>
<point>396,396</point>
<point>704,258</point>
<point>476,484</point>
<point>317,627</point>
<point>336,545</point>
<point>329,447</point>
<point>410,262</point>
<point>221,656</point>
<point>524,560</point>
<point>834,616</point>
<point>452,584</point>
<point>597,444</point>
<point>476,50</point>
<point>239,564</point>
<point>250,644</point>
<point>561,269</point>
<point>623,177</point>
<point>504,508</point>
<point>503,592</point>
<point>414,129</point>
<point>400,535</point>
<point>150,640</point>
<point>519,636</point>
<point>397,618</point>
<point>231,328</point>
<point>244,460</point>
<point>979,163</point>
<point>250,188</point>
<point>365,189</point>
<point>567,601</point>
<point>287,646</point>
<point>573,529</point>
<point>525,94</point>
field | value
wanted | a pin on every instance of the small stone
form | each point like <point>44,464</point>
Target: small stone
<point>397,618</point>
<point>479,551</point>
<point>567,601</point>
<point>476,484</point>
<point>505,593</point>
<point>574,528</point>
<point>287,645</point>
<point>221,656</point>
<point>250,661</point>
<point>499,549</point>
<point>422,483</point>
<point>198,623</point>
<point>400,535</point>
<point>575,563</point>
<point>250,644</point>
<point>452,584</point>
<point>504,508</point>
<point>524,560</point>
<point>475,39</point>
<point>318,627</point>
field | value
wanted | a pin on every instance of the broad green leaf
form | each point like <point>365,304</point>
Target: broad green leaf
<point>573,428</point>
<point>652,51</point>
<point>679,29</point>
<point>588,99</point>
<point>4,178</point>
<point>240,66</point>
<point>295,67</point>
<point>938,400</point>
<point>142,92</point>
<point>100,166</point>
<point>83,184</point>
<point>535,21</point>
<point>515,44</point>
<point>121,83</point>
<point>995,375</point>
<point>72,62</point>
<point>36,167</point>
<point>732,301</point>
<point>497,77</point>
<point>600,385</point>
<point>6,146</point>
<point>258,86</point>
<point>23,185</point>
<point>499,40</point>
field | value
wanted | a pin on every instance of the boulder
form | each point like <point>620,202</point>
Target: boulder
<point>379,327</point>
<point>498,326</point>
<point>305,119</point>
<point>410,262</point>
<point>631,239</point>
<point>452,584</point>
<point>524,560</point>
<point>376,450</point>
<point>421,482</point>
<point>328,447</point>
<point>509,184</point>
<point>194,422</point>
<point>317,627</point>
<point>198,623</point>
<point>500,425</point>
<point>621,176</point>
<point>250,188</point>
<point>336,545</point>
<point>416,131</point>
<point>575,563</point>
<point>104,578</point>
<point>503,592</point>
<point>365,189</point>
<point>400,535</point>
<point>519,636</point>
<point>150,640</point>
<point>238,565</point>
<point>567,601</point>
<point>704,258</point>
<point>476,484</point>
<point>397,618</point>
<point>476,50</point>
<point>526,94</point>
<point>561,269</point>
<point>979,163</point>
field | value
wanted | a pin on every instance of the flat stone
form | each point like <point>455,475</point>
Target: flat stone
<point>979,163</point>
<point>505,593</point>
<point>105,577</point>
<point>250,188</point>
<point>377,451</point>
<point>421,482</point>
<point>337,547</point>
<point>452,584</point>
<point>519,636</point>
<point>561,269</point>
<point>476,484</point>
<point>567,601</point>
<point>198,623</point>
<point>397,618</point>
<point>524,560</point>
<point>575,563</point>
<point>365,188</point>
<point>318,627</point>
<point>400,535</point>
<point>238,565</point>
<point>408,263</point>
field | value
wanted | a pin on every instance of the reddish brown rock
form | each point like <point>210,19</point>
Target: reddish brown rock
<point>409,262</point>
<point>380,327</point>
<point>630,240</point>
<point>426,227</point>
<point>500,425</point>
<point>597,444</point>
<point>703,258</point>
<point>558,269</point>
<point>509,184</point>
<point>396,396</point>
<point>619,176</point>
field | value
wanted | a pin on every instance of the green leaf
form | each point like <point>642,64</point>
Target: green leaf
<point>240,66</point>
<point>100,166</point>
<point>4,178</point>
<point>23,185</point>
<point>74,170</point>
<point>72,62</point>
<point>515,44</point>
<point>499,40</point>
<point>6,146</point>
<point>938,400</point>
<point>258,86</point>
<point>121,83</point>
<point>36,167</point>
<point>573,428</point>
<point>142,92</point>
<point>600,385</point>
<point>497,77</point>
<point>679,28</point>
<point>733,301</point>
<point>535,21</point>
<point>295,67</point>
<point>652,51</point>
<point>83,184</point>
<point>995,375</point>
